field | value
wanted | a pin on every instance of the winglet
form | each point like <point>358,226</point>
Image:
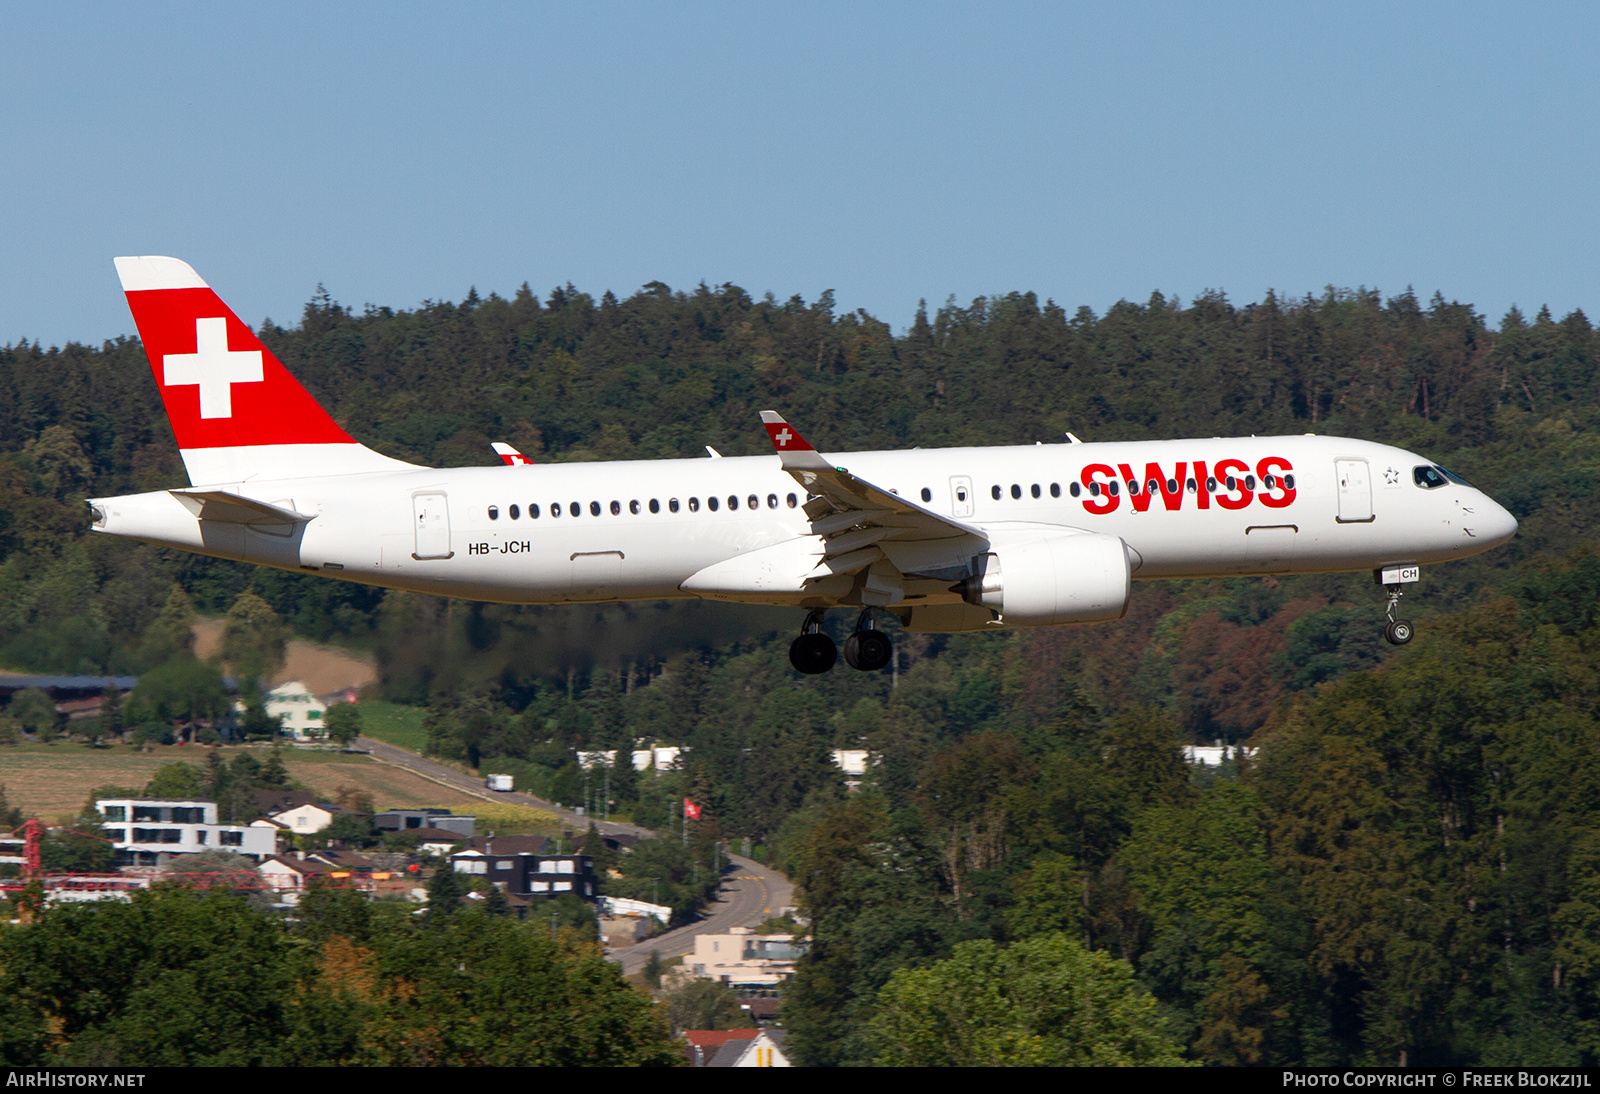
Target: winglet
<point>794,450</point>
<point>510,455</point>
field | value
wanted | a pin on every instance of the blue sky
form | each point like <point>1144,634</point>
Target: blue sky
<point>889,152</point>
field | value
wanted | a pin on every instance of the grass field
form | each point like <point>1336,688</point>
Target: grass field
<point>52,781</point>
<point>394,724</point>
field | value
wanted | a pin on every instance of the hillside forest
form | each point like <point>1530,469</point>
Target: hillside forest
<point>1407,871</point>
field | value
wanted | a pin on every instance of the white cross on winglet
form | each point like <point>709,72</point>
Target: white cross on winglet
<point>213,367</point>
<point>783,438</point>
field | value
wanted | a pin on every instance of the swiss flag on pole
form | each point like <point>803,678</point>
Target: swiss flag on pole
<point>691,810</point>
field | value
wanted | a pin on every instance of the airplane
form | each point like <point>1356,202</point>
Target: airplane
<point>945,539</point>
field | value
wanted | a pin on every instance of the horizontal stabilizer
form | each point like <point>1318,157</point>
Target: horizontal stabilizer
<point>230,508</point>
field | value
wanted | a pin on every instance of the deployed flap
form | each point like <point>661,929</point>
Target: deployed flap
<point>230,508</point>
<point>852,511</point>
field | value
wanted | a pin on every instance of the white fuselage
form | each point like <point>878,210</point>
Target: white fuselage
<point>1354,505</point>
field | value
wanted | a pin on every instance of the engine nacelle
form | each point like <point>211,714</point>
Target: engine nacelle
<point>1053,579</point>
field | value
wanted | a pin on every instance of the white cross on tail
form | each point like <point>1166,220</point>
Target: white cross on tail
<point>783,438</point>
<point>213,367</point>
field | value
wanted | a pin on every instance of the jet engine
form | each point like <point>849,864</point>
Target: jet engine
<point>1053,579</point>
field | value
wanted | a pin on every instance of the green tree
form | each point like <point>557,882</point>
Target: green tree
<point>171,634</point>
<point>36,712</point>
<point>343,722</point>
<point>1042,1002</point>
<point>176,780</point>
<point>705,1004</point>
<point>253,638</point>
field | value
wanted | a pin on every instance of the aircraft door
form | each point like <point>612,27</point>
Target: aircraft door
<point>1355,491</point>
<point>960,496</point>
<point>431,521</point>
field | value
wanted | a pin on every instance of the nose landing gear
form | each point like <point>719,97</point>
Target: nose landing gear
<point>867,650</point>
<point>1397,631</point>
<point>813,652</point>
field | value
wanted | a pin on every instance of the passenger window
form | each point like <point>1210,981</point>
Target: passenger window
<point>927,495</point>
<point>594,509</point>
<point>772,501</point>
<point>1429,478</point>
<point>1055,490</point>
<point>1152,486</point>
<point>555,509</point>
<point>673,505</point>
<point>1267,481</point>
<point>1035,489</point>
<point>513,512</point>
<point>694,505</point>
<point>1191,486</point>
<point>1249,482</point>
<point>1232,483</point>
<point>655,506</point>
<point>1172,486</point>
<point>1112,486</point>
<point>753,502</point>
<point>1094,489</point>
<point>494,512</point>
<point>733,502</point>
<point>533,511</point>
<point>792,501</point>
<point>995,491</point>
<point>1075,489</point>
<point>575,508</point>
<point>1288,481</point>
<point>711,503</point>
<point>1133,487</point>
<point>633,507</point>
<point>1016,491</point>
<point>616,508</point>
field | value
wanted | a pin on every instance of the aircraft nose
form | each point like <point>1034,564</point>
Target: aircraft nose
<point>1495,524</point>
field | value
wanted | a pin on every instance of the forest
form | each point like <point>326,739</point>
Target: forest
<point>1406,871</point>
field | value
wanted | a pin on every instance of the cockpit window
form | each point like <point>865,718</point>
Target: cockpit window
<point>1429,478</point>
<point>1452,476</point>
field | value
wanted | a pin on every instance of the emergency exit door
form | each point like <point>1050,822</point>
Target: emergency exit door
<point>431,522</point>
<point>1355,491</point>
<point>960,496</point>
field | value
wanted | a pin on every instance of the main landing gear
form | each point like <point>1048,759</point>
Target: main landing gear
<point>814,653</point>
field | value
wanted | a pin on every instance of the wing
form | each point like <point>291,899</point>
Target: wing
<point>861,523</point>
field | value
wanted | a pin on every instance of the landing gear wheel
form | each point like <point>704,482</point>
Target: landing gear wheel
<point>1399,632</point>
<point>813,654</point>
<point>867,651</point>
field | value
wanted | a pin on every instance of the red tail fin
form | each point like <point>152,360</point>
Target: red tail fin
<point>236,411</point>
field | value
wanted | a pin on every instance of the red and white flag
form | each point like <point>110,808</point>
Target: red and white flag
<point>691,810</point>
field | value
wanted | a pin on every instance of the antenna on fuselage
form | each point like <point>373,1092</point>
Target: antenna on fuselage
<point>1073,439</point>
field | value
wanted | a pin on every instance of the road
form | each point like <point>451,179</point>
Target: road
<point>751,893</point>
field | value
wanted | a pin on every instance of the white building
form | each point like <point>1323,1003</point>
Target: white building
<point>144,830</point>
<point>299,713</point>
<point>852,761</point>
<point>743,959</point>
<point>664,757</point>
<point>1216,755</point>
<point>304,820</point>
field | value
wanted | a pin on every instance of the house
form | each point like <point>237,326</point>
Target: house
<point>703,1044</point>
<point>765,1049</point>
<point>661,757</point>
<point>508,845</point>
<point>306,820</point>
<point>745,960</point>
<point>276,801</point>
<point>532,875</point>
<point>288,877</point>
<point>297,710</point>
<point>149,831</point>
<point>408,820</point>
